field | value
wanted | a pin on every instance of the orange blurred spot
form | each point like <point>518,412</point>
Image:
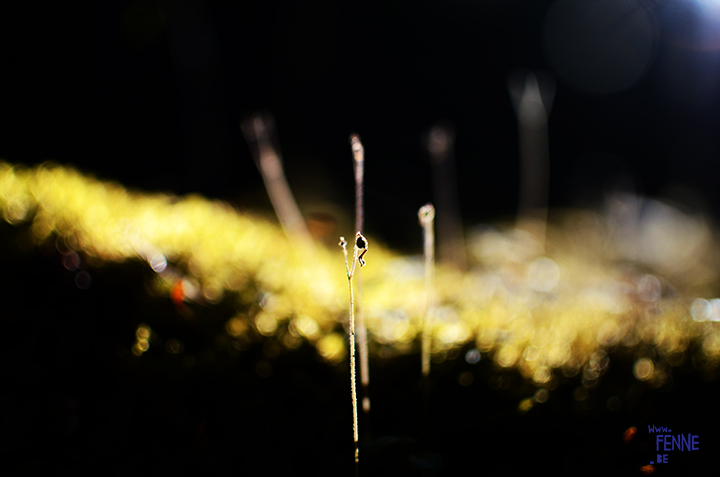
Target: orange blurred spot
<point>629,434</point>
<point>647,469</point>
<point>178,295</point>
<point>177,292</point>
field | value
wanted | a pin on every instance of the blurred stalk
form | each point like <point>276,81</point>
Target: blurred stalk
<point>359,169</point>
<point>258,132</point>
<point>451,242</point>
<point>426,216</point>
<point>532,102</point>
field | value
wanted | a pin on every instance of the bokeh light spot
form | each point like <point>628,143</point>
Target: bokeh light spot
<point>473,356</point>
<point>544,274</point>
<point>71,261</point>
<point>542,375</point>
<point>158,263</point>
<point>700,309</point>
<point>332,347</point>
<point>142,332</point>
<point>541,395</point>
<point>715,305</point>
<point>643,369</point>
<point>507,355</point>
<point>83,280</point>
<point>174,346</point>
<point>236,326</point>
<point>266,324</point>
<point>306,327</point>
<point>525,405</point>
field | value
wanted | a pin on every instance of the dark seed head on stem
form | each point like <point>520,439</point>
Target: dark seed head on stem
<point>361,247</point>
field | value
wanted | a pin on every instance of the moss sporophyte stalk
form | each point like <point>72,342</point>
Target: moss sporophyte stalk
<point>359,170</point>
<point>360,248</point>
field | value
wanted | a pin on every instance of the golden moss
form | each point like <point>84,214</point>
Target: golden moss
<point>540,310</point>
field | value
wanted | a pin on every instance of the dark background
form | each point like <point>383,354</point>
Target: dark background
<point>151,94</point>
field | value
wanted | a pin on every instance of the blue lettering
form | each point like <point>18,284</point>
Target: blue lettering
<point>653,429</point>
<point>686,442</point>
<point>676,443</point>
<point>657,442</point>
<point>695,443</point>
<point>665,443</point>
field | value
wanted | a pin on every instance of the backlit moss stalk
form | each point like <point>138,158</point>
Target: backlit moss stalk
<point>359,250</point>
<point>359,162</point>
<point>426,214</point>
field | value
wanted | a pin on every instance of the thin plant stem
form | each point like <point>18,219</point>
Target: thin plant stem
<point>359,250</point>
<point>258,132</point>
<point>532,100</point>
<point>359,163</point>
<point>451,242</point>
<point>426,215</point>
